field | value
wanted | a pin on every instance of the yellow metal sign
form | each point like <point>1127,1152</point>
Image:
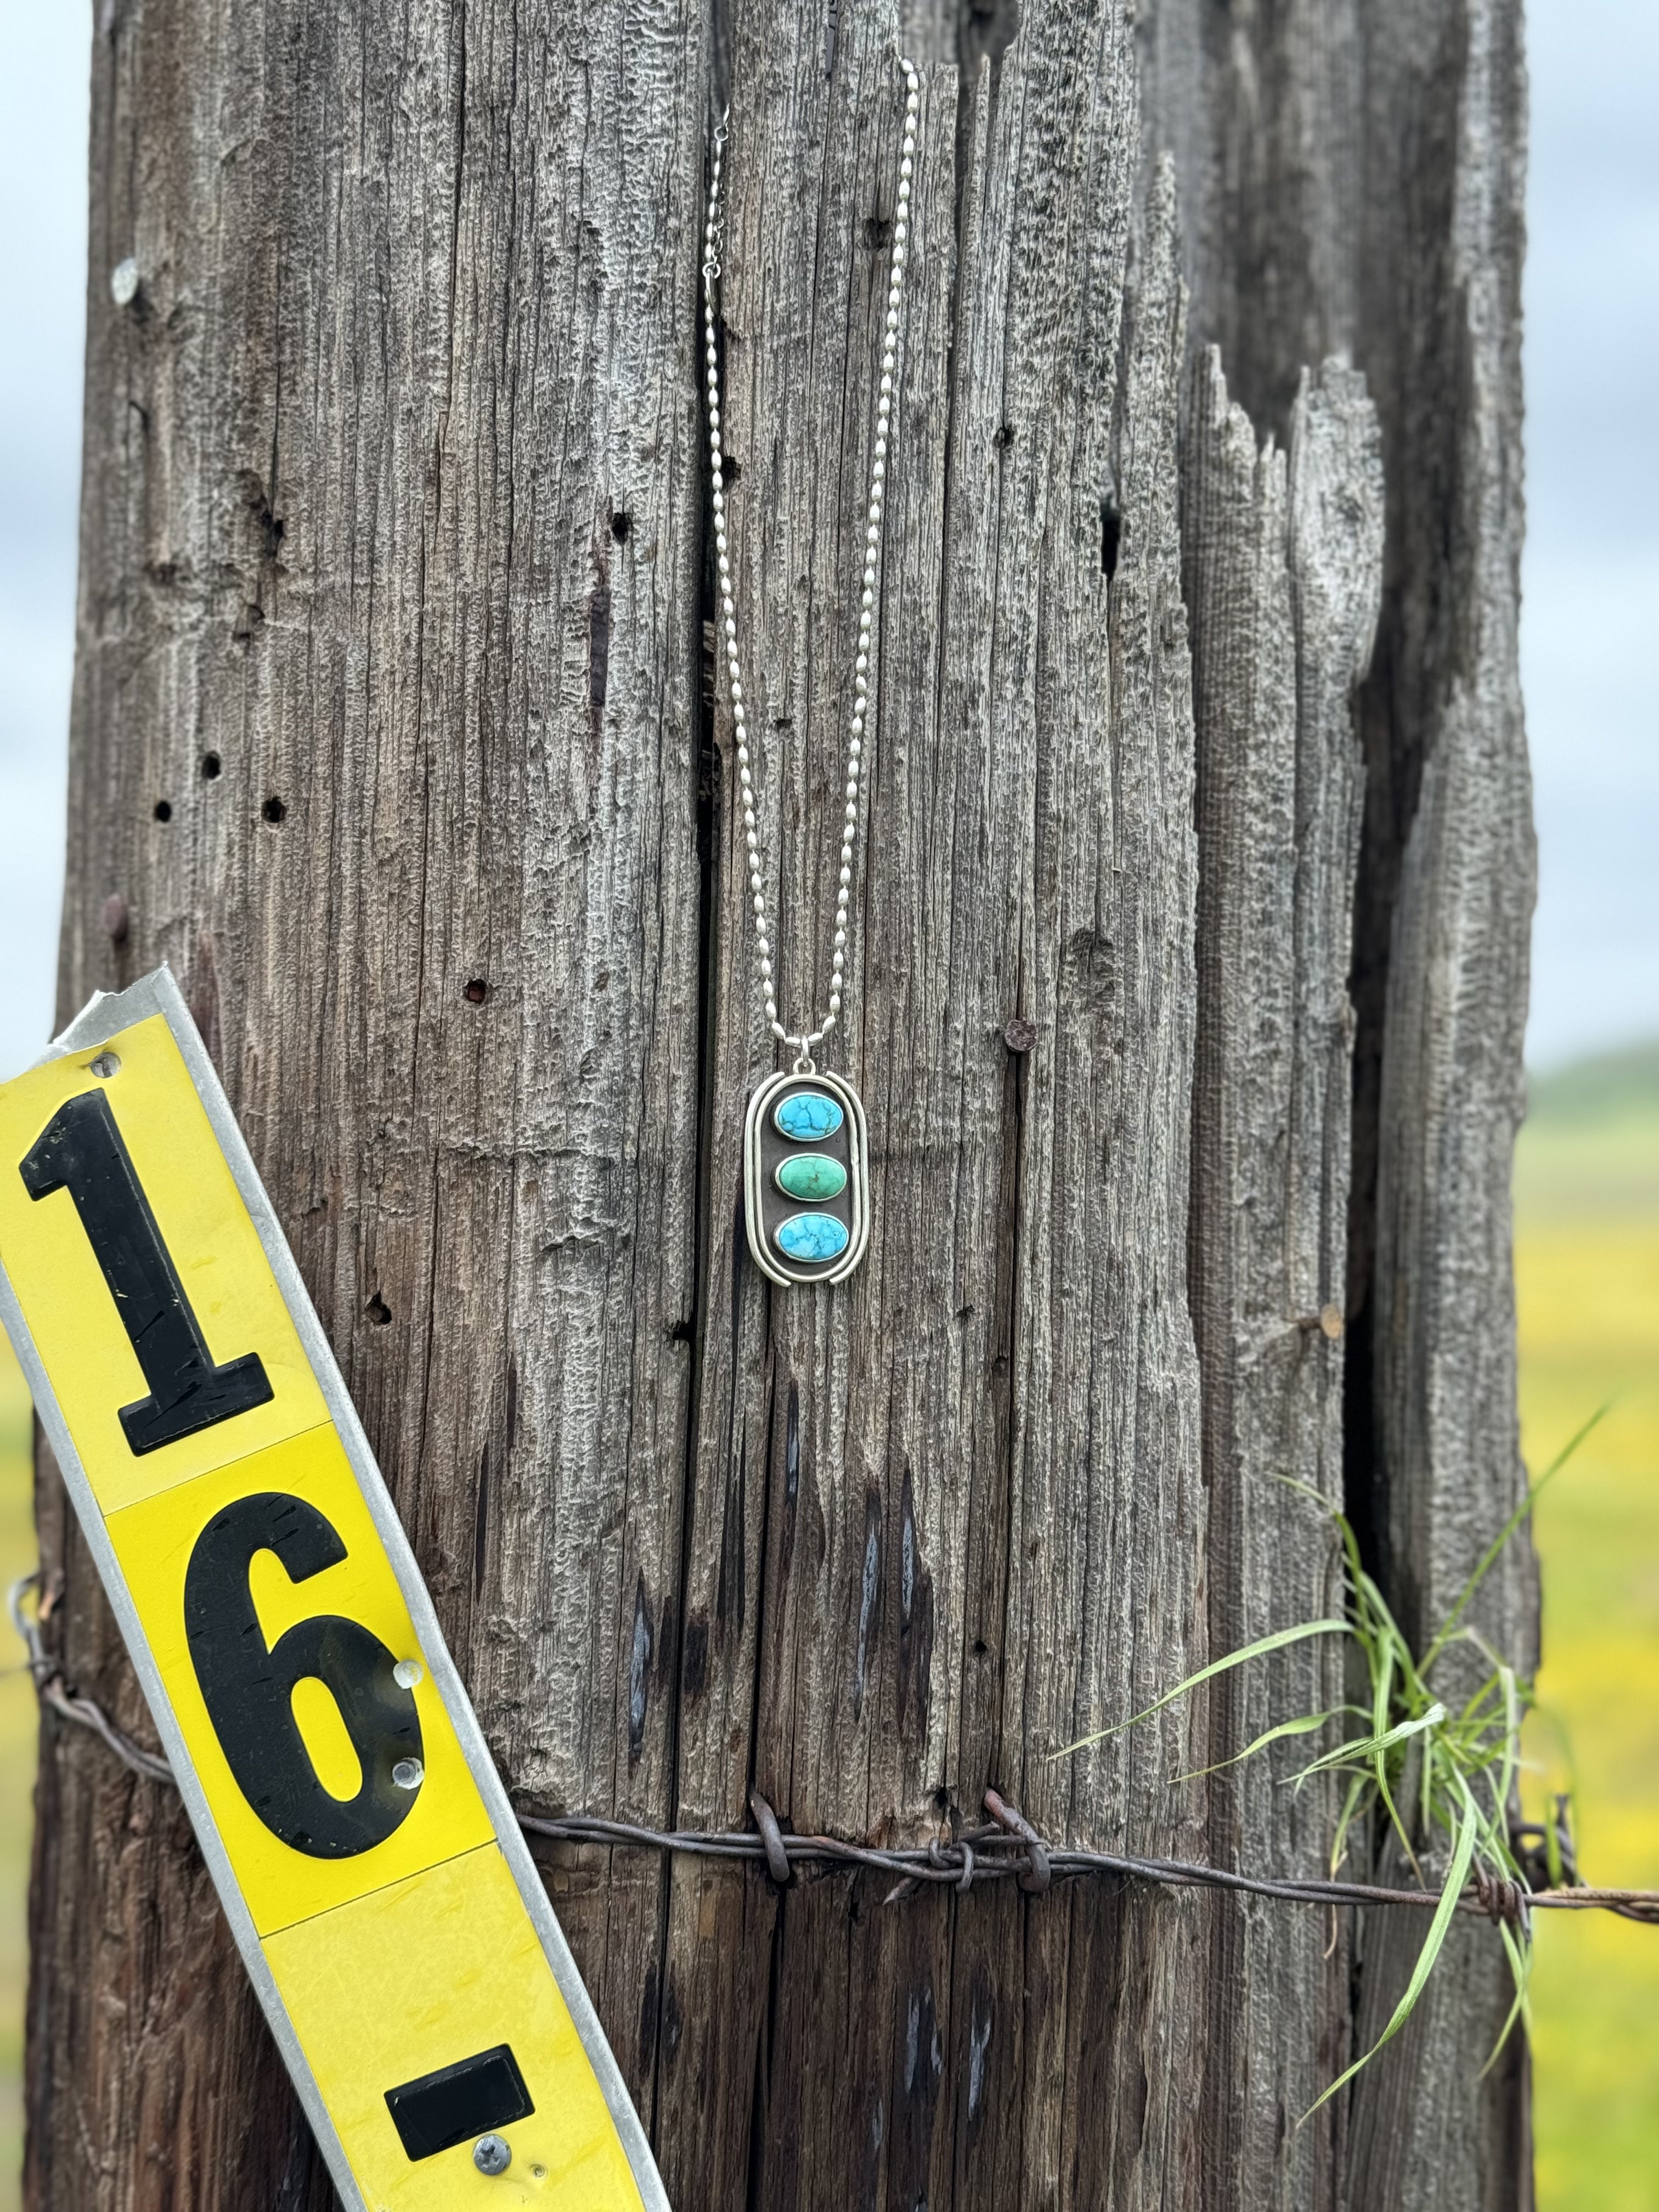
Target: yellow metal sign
<point>365,1850</point>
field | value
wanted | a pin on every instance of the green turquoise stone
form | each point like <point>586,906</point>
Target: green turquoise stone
<point>810,1174</point>
<point>811,1236</point>
<point>806,1117</point>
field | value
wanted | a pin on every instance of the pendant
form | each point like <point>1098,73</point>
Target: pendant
<point>805,1177</point>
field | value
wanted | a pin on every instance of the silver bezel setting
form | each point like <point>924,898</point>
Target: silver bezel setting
<point>757,1183</point>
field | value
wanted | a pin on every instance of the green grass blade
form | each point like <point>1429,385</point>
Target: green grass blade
<point>1276,1642</point>
<point>1368,1745</point>
<point>1521,1968</point>
<point>1506,1772</point>
<point>1456,1874</point>
<point>1305,1725</point>
<point>1351,1807</point>
<point>1491,1553</point>
<point>1385,1655</point>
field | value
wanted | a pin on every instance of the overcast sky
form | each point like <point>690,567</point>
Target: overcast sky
<point>1592,575</point>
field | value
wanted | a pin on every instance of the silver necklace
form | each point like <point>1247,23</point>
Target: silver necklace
<point>805,1149</point>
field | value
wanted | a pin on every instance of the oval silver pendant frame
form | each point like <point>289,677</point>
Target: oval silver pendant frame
<point>761,1207</point>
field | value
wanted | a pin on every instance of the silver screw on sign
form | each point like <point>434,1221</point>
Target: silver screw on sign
<point>492,2154</point>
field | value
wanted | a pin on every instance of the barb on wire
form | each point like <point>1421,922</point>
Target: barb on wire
<point>1005,1848</point>
<point>53,1690</point>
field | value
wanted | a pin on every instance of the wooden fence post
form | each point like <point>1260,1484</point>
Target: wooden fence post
<point>395,726</point>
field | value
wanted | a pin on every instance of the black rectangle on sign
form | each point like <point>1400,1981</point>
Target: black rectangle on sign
<point>459,2102</point>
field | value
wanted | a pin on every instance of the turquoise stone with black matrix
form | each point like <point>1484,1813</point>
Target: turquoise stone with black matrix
<point>810,1237</point>
<point>806,1117</point>
<point>810,1175</point>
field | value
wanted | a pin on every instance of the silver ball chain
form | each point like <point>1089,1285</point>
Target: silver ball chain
<point>711,270</point>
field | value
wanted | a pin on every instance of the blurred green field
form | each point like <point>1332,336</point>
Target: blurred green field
<point>1587,1247</point>
<point>1587,1258</point>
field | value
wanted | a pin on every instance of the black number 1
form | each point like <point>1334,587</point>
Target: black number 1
<point>81,1151</point>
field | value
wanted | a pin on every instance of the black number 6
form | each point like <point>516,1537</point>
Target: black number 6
<point>248,1687</point>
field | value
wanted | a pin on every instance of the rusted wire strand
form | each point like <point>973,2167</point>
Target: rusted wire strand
<point>51,1690</point>
<point>994,1853</point>
<point>1004,1848</point>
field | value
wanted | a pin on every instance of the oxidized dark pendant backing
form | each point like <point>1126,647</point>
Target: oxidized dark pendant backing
<point>805,1178</point>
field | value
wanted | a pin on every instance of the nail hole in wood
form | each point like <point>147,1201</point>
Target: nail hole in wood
<point>730,470</point>
<point>378,1310</point>
<point>477,991</point>
<point>1111,536</point>
<point>621,524</point>
<point>211,765</point>
<point>163,811</point>
<point>273,810</point>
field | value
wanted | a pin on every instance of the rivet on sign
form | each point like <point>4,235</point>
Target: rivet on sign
<point>124,283</point>
<point>115,917</point>
<point>492,2154</point>
<point>406,1673</point>
<point>1330,1321</point>
<point>408,1773</point>
<point>105,1064</point>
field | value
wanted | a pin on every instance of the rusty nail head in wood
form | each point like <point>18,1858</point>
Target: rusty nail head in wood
<point>1019,1034</point>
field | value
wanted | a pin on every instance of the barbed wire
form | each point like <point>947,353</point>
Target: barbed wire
<point>51,1690</point>
<point>1007,1848</point>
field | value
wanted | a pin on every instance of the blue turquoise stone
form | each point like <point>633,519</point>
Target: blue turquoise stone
<point>810,1175</point>
<point>807,1116</point>
<point>813,1236</point>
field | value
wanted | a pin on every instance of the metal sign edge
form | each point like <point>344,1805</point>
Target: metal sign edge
<point>105,1014</point>
<point>88,1513</point>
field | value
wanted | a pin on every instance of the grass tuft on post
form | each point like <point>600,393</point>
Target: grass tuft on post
<point>1455,1768</point>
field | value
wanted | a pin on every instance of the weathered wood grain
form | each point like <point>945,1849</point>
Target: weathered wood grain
<point>1352,178</point>
<point>961,1511</point>
<point>393,507</point>
<point>1284,574</point>
<point>1447,1465</point>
